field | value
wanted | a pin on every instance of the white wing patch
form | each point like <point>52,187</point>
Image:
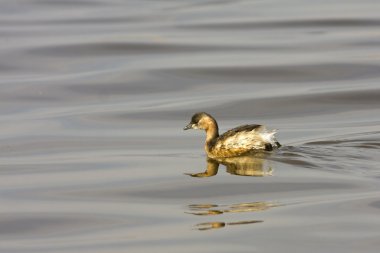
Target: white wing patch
<point>268,136</point>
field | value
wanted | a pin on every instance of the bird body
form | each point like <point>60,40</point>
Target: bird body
<point>235,142</point>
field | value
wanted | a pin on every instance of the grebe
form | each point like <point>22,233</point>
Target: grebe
<point>234,142</point>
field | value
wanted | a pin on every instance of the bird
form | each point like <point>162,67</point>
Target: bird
<point>238,141</point>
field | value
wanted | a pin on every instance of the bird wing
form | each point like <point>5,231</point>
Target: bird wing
<point>241,138</point>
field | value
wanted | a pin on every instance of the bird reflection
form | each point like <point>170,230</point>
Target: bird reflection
<point>254,165</point>
<point>217,224</point>
<point>212,209</point>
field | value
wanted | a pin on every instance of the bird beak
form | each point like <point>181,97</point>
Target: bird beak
<point>189,126</point>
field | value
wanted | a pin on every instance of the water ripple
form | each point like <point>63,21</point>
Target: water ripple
<point>140,48</point>
<point>288,24</point>
<point>279,74</point>
<point>37,225</point>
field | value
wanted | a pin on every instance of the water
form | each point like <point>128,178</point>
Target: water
<point>94,96</point>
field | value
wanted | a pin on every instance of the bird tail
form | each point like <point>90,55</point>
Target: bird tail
<point>269,136</point>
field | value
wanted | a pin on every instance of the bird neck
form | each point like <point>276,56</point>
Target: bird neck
<point>212,132</point>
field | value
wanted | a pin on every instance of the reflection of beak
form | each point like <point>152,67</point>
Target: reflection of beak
<point>189,126</point>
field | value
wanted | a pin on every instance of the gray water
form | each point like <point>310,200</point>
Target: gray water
<point>94,95</point>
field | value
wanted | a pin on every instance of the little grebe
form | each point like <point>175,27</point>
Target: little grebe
<point>234,142</point>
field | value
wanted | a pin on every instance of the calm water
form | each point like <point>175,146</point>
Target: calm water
<point>94,95</point>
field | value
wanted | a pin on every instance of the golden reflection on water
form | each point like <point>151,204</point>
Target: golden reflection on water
<point>254,165</point>
<point>213,209</point>
<point>216,224</point>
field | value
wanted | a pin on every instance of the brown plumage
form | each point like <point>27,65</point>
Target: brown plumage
<point>235,142</point>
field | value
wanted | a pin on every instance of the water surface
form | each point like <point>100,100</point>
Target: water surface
<point>94,95</point>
